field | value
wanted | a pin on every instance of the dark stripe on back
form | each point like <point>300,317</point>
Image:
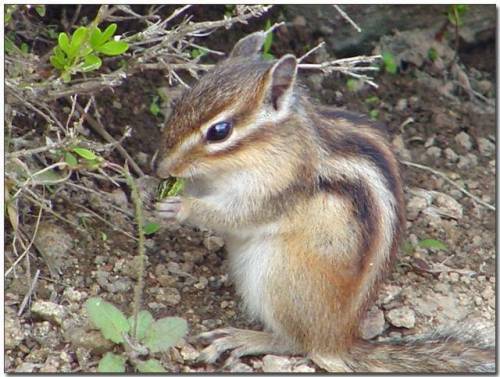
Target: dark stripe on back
<point>355,144</point>
<point>364,208</point>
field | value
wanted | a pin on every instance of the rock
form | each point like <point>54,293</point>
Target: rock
<point>450,155</point>
<point>488,293</point>
<point>401,317</point>
<point>13,332</point>
<point>240,367</point>
<point>373,323</point>
<point>49,311</point>
<point>91,339</point>
<point>172,296</point>
<point>27,367</point>
<point>444,308</point>
<point>485,86</point>
<point>73,295</point>
<point>54,243</point>
<point>213,243</point>
<point>202,283</point>
<point>389,293</point>
<point>414,206</point>
<point>463,139</point>
<point>467,162</point>
<point>189,353</point>
<point>119,197</point>
<point>433,152</point>
<point>276,364</point>
<point>402,104</point>
<point>486,147</point>
<point>303,368</point>
<point>399,146</point>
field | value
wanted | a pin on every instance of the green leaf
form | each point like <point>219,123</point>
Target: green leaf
<point>95,38</point>
<point>48,178</point>
<point>107,318</point>
<point>108,33</point>
<point>113,48</point>
<point>66,76</point>
<point>269,38</point>
<point>430,243</point>
<point>389,62</point>
<point>63,42</point>
<point>56,62</point>
<point>165,333</point>
<point>170,187</point>
<point>70,159</point>
<point>151,228</point>
<point>144,321</point>
<point>111,363</point>
<point>40,9</point>
<point>150,366</point>
<point>267,56</point>
<point>25,48</point>
<point>77,40</point>
<point>85,153</point>
<point>374,114</point>
<point>9,46</point>
<point>432,54</point>
<point>91,63</point>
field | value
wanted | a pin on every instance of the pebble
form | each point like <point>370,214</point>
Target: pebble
<point>172,296</point>
<point>467,162</point>
<point>240,367</point>
<point>73,295</point>
<point>213,243</point>
<point>463,139</point>
<point>189,353</point>
<point>401,317</point>
<point>414,206</point>
<point>92,340</point>
<point>486,147</point>
<point>373,323</point>
<point>49,311</point>
<point>202,283</point>
<point>450,155</point>
<point>433,152</point>
<point>303,368</point>
<point>276,364</point>
<point>13,333</point>
<point>402,104</point>
<point>488,293</point>
<point>54,243</point>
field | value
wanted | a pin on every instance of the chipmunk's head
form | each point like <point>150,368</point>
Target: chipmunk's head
<point>227,114</point>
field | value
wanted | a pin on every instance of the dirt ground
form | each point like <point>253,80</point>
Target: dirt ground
<point>433,119</point>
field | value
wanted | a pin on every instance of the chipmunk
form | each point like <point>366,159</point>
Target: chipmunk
<point>310,203</point>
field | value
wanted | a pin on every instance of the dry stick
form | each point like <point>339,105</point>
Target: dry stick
<point>442,175</point>
<point>26,248</point>
<point>344,14</point>
<point>97,127</point>
<point>29,293</point>
<point>141,248</point>
<point>113,226</point>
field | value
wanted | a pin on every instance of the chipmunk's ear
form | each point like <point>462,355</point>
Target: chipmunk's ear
<point>250,45</point>
<point>282,78</point>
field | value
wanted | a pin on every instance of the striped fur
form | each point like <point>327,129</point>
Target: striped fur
<point>309,200</point>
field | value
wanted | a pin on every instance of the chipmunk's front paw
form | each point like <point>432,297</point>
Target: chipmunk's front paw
<point>173,208</point>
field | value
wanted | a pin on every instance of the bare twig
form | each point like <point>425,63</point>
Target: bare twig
<point>311,51</point>
<point>29,293</point>
<point>97,127</point>
<point>442,175</point>
<point>344,14</point>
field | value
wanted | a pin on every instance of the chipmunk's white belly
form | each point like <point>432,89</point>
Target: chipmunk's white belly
<point>250,254</point>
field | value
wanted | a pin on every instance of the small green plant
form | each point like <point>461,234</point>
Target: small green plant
<point>80,51</point>
<point>432,54</point>
<point>151,228</point>
<point>389,62</point>
<point>266,48</point>
<point>456,12</point>
<point>430,243</point>
<point>154,108</point>
<point>144,337</point>
<point>78,157</point>
<point>198,52</point>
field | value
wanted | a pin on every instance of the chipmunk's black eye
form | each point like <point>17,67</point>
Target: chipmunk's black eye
<point>219,131</point>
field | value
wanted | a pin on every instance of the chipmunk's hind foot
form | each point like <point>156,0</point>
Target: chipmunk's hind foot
<point>241,342</point>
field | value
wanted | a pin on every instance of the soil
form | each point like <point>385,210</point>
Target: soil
<point>452,132</point>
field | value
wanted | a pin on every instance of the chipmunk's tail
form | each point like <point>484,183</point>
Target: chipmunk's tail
<point>458,349</point>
